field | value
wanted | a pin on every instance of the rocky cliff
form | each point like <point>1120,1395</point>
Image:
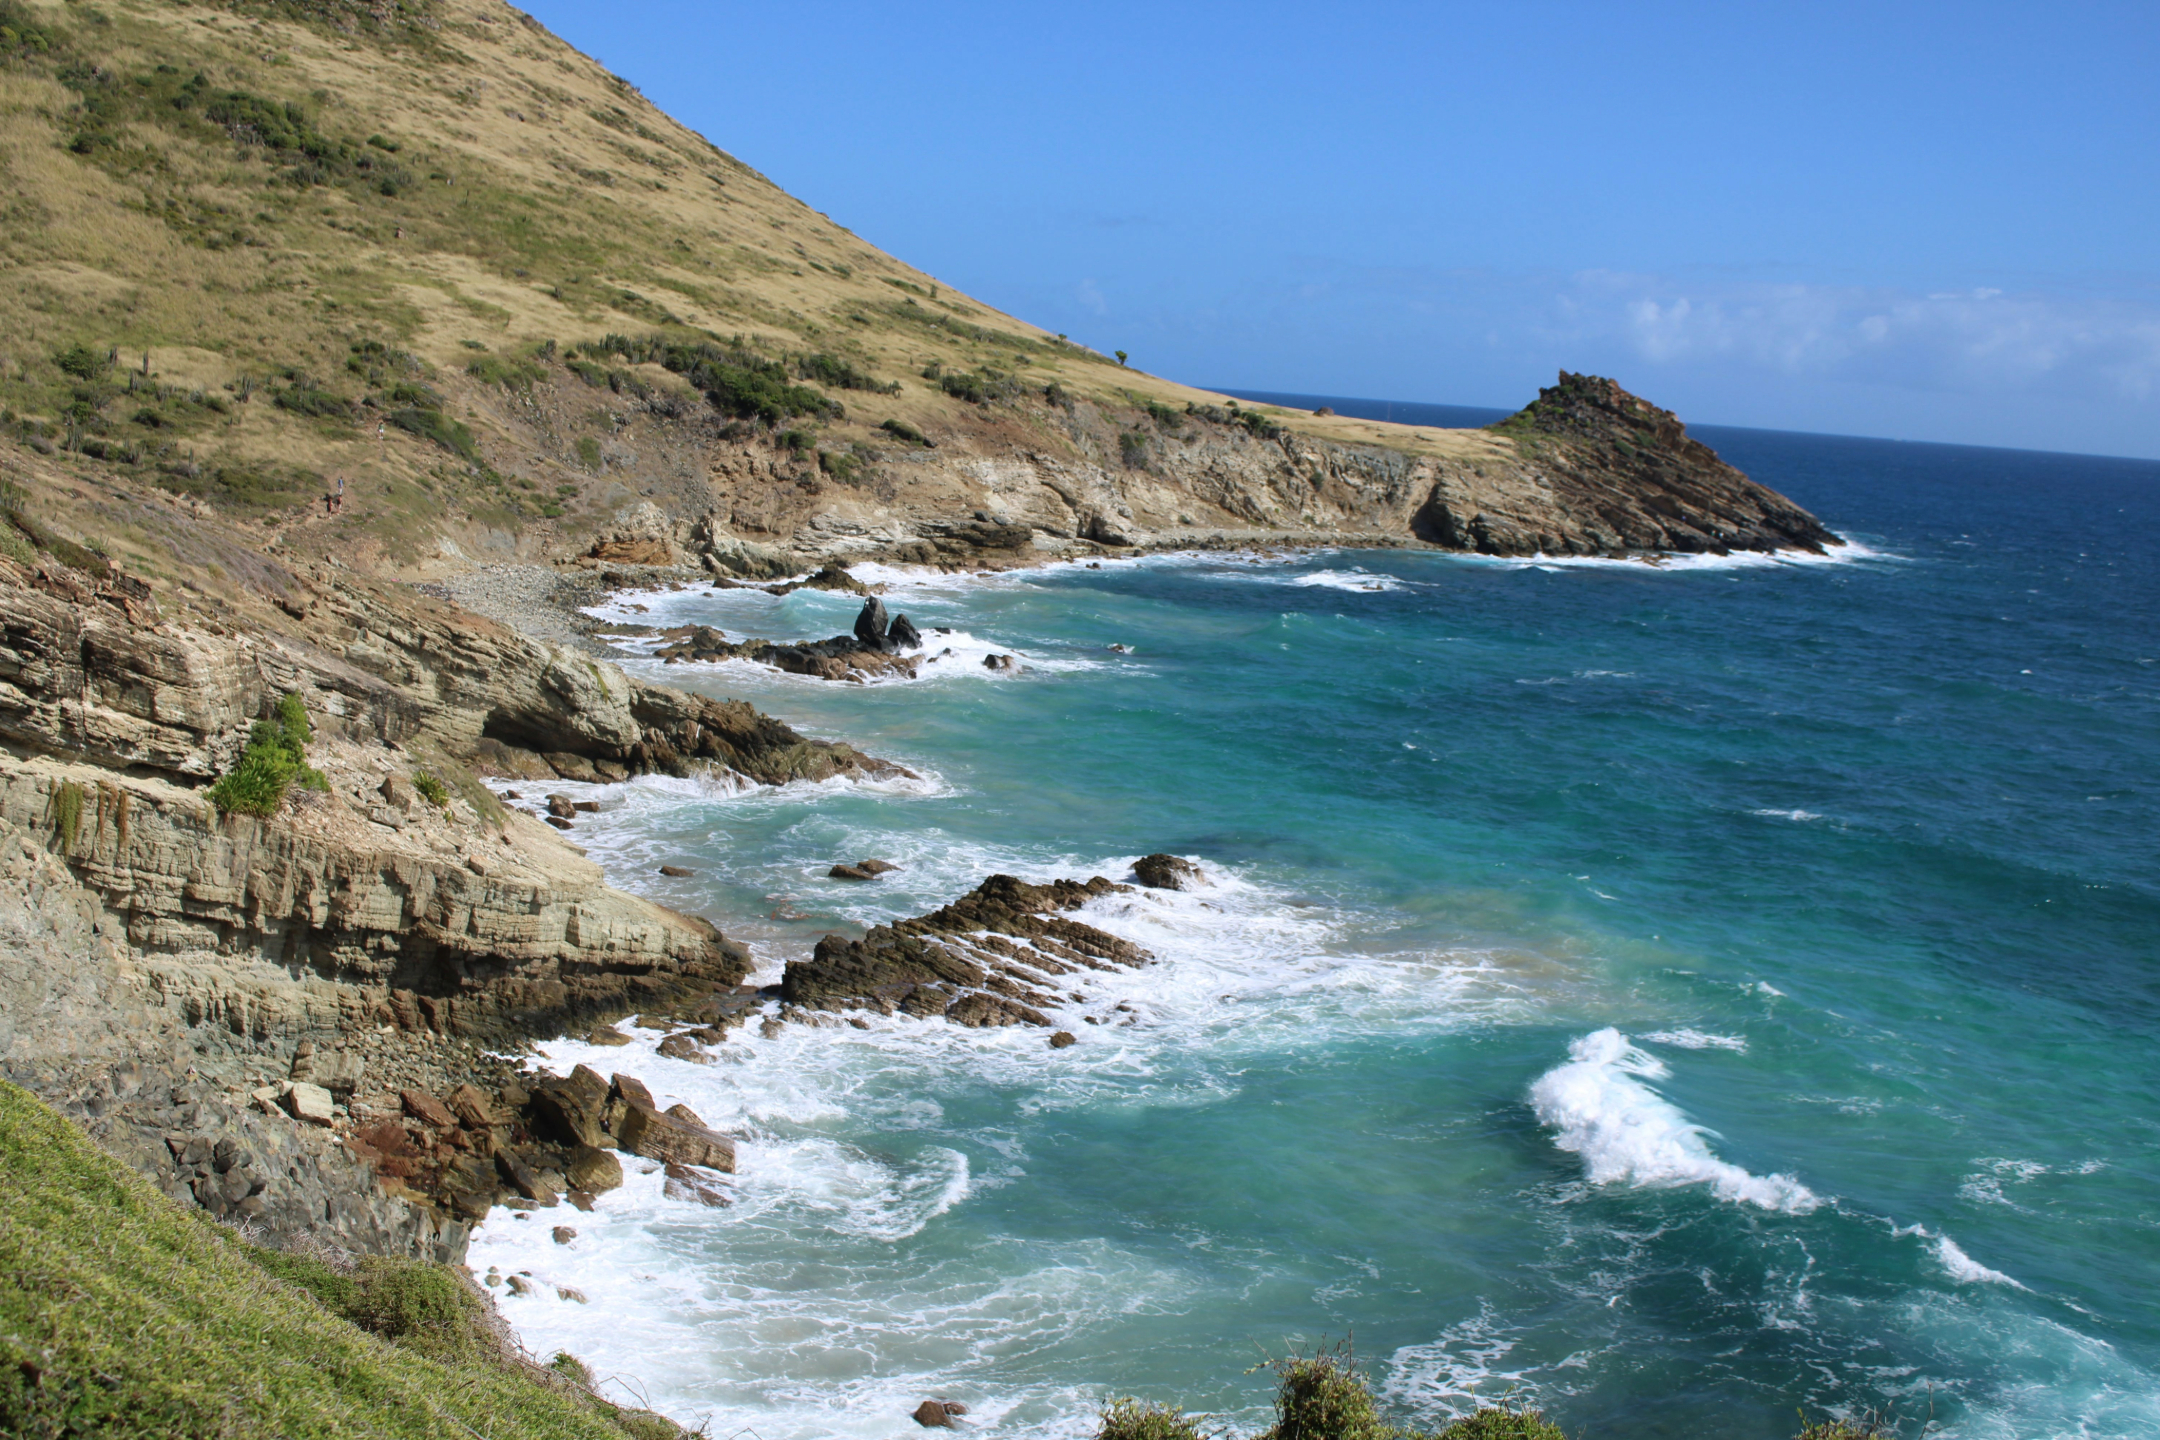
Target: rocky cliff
<point>1603,472</point>
<point>252,1009</point>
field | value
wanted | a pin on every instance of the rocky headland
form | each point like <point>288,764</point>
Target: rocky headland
<point>307,1018</point>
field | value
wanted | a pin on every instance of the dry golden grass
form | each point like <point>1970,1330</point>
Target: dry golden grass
<point>547,201</point>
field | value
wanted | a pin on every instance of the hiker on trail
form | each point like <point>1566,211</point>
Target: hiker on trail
<point>338,505</point>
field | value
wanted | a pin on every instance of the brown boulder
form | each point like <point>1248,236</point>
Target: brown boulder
<point>980,1011</point>
<point>527,1181</point>
<point>645,1131</point>
<point>682,1047</point>
<point>593,1170</point>
<point>689,1182</point>
<point>426,1109</point>
<point>570,1109</point>
<point>1168,872</point>
<point>473,1107</point>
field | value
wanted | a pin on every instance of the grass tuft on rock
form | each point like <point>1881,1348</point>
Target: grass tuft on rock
<point>275,759</point>
<point>124,1315</point>
<point>1141,1420</point>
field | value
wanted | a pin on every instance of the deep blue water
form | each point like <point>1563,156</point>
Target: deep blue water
<point>1525,872</point>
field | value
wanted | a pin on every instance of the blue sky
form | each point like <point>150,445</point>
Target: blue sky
<point>1922,221</point>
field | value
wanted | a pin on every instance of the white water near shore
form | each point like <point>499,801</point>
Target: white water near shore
<point>1501,1045</point>
<point>833,1344</point>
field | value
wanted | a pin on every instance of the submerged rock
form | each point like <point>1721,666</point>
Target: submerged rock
<point>1168,872</point>
<point>861,870</point>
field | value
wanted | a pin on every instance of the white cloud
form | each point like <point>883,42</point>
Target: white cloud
<point>1983,340</point>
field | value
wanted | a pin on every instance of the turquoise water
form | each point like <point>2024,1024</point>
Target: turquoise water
<point>1675,995</point>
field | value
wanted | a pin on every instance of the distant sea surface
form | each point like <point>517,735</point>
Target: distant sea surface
<point>1675,995</point>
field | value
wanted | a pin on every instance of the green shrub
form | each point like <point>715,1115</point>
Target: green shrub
<point>1132,449</point>
<point>979,387</point>
<point>67,808</point>
<point>1161,414</point>
<point>274,760</point>
<point>415,394</point>
<point>437,793</point>
<point>901,430</point>
<point>832,371</point>
<point>840,467</point>
<point>1138,1420</point>
<point>1867,1427</point>
<point>1324,1396</point>
<point>305,398</point>
<point>571,1368</point>
<point>438,427</point>
<point>736,380</point>
<point>1503,1423</point>
<point>794,441</point>
<point>83,362</point>
<point>495,370</point>
<point>22,33</point>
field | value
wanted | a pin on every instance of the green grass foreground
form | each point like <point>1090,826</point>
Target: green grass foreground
<point>123,1314</point>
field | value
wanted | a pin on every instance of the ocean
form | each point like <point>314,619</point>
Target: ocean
<point>1679,996</point>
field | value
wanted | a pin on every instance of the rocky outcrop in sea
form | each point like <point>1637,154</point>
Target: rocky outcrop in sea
<point>878,647</point>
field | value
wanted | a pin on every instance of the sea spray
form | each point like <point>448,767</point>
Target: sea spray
<point>1627,1132</point>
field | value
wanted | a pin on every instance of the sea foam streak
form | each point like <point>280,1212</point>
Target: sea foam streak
<point>1851,552</point>
<point>1624,1130</point>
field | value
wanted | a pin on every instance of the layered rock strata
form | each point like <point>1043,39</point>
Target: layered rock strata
<point>999,955</point>
<point>299,1020</point>
<point>89,671</point>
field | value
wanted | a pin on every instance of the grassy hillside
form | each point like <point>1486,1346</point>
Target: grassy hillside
<point>246,245</point>
<point>121,1314</point>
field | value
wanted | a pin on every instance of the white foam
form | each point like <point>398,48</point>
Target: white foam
<point>1625,1131</point>
<point>1952,1257</point>
<point>1966,1270</point>
<point>825,1336</point>
<point>1851,552</point>
<point>1795,815</point>
<point>1688,1039</point>
<point>1355,579</point>
<point>1462,1368</point>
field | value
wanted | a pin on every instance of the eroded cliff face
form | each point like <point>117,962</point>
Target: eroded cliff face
<point>88,670</point>
<point>256,1009</point>
<point>1587,469</point>
<point>172,971</point>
